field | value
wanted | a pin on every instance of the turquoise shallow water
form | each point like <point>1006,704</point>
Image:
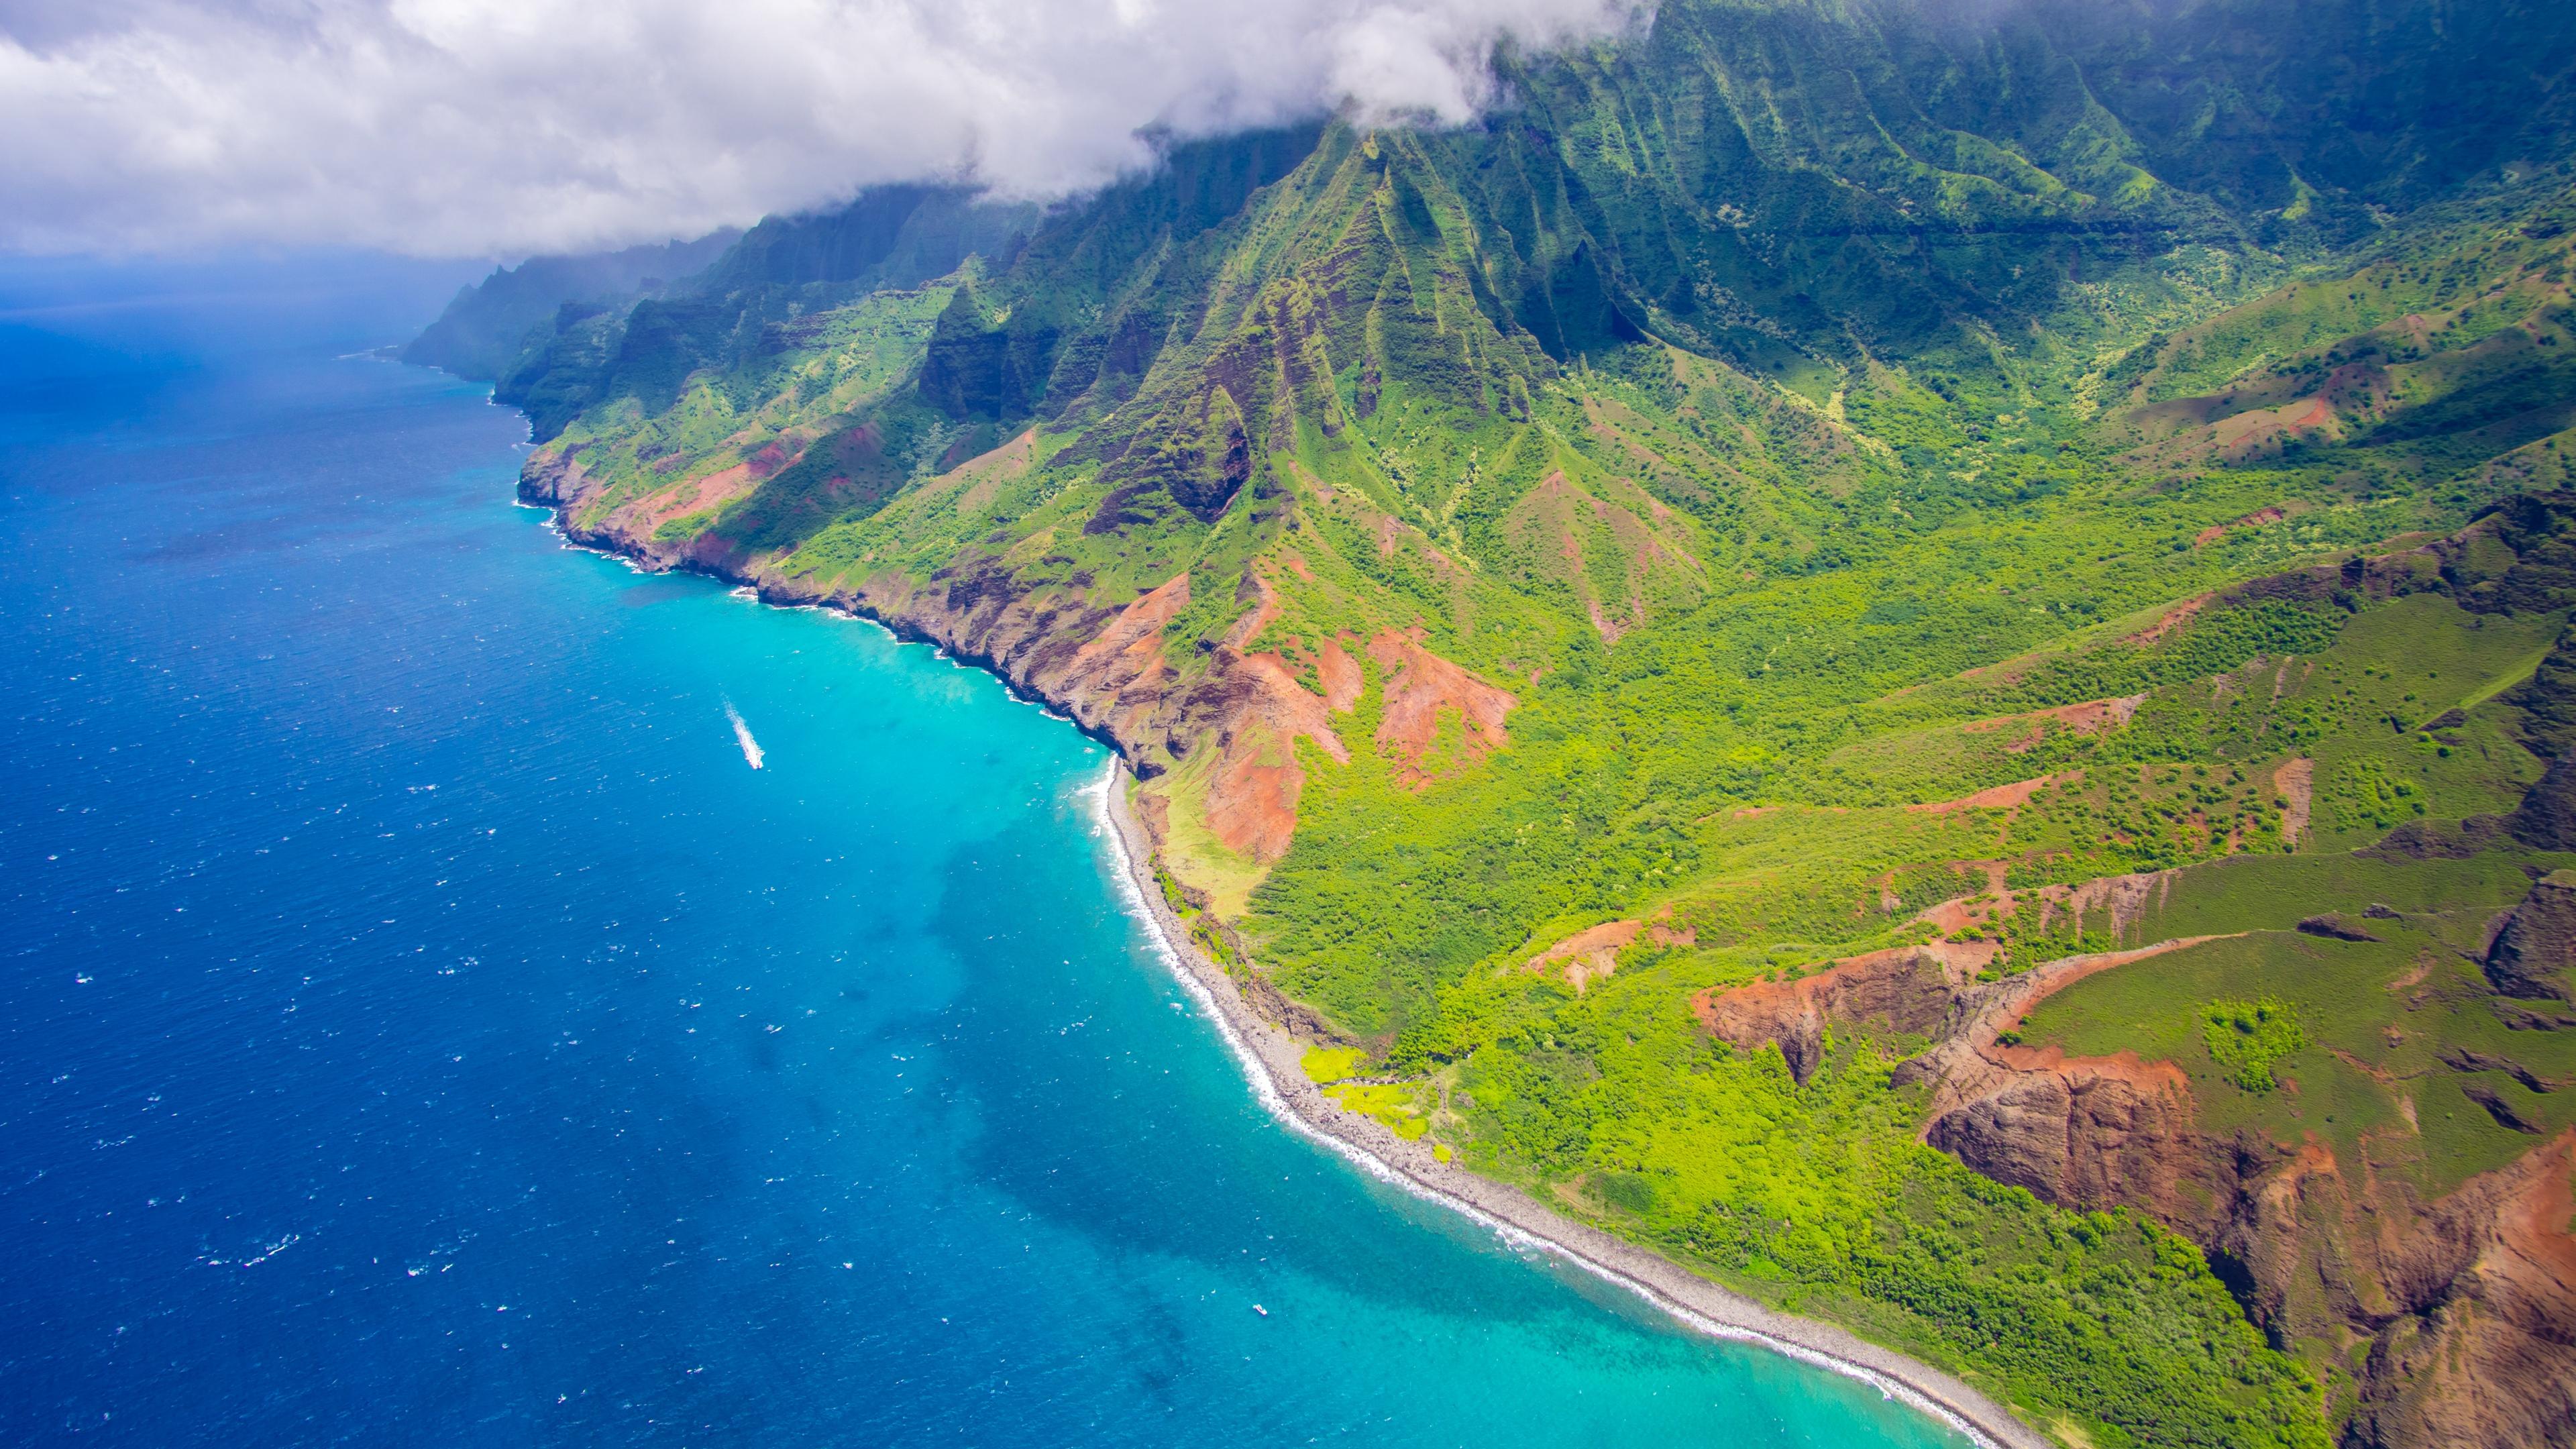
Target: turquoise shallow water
<point>418,1025</point>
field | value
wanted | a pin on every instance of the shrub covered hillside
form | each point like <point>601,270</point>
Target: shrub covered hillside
<point>1917,654</point>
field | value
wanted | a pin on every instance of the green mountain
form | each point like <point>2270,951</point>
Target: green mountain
<point>1916,654</point>
<point>488,324</point>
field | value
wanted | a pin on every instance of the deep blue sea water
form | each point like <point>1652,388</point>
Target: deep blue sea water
<point>418,1025</point>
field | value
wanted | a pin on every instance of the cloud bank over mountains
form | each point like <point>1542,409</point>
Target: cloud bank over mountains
<point>486,127</point>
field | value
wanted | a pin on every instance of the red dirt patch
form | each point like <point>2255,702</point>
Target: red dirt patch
<point>2172,619</point>
<point>1589,955</point>
<point>2538,1223</point>
<point>2255,519</point>
<point>2093,716</point>
<point>1341,677</point>
<point>1968,913</point>
<point>1421,689</point>
<point>713,490</point>
<point>2246,434</point>
<point>1261,710</point>
<point>2295,784</point>
<point>1137,633</point>
<point>1999,797</point>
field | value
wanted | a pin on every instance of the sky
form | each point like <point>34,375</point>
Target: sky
<point>504,128</point>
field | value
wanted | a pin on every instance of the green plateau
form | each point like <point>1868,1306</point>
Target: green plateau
<point>1918,655</point>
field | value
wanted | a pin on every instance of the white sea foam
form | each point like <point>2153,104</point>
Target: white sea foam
<point>742,732</point>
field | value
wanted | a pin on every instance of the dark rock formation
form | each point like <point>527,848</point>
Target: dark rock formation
<point>2531,956</point>
<point>2462,1059</point>
<point>2089,1135</point>
<point>2442,839</point>
<point>2546,819</point>
<point>2334,928</point>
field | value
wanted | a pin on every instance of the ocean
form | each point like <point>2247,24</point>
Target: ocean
<point>421,1024</point>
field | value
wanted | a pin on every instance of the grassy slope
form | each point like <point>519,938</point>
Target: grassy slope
<point>1783,408</point>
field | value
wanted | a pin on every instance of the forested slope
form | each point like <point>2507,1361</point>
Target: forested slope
<point>1914,655</point>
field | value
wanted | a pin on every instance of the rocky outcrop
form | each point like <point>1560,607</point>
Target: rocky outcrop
<point>2084,1132</point>
<point>1907,991</point>
<point>2531,957</point>
<point>2462,1310</point>
<point>2546,818</point>
<point>2484,1349</point>
<point>1101,662</point>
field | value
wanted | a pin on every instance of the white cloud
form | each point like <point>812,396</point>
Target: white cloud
<point>475,127</point>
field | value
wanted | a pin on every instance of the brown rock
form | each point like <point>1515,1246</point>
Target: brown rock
<point>2484,1352</point>
<point>2087,1133</point>
<point>2468,1303</point>
<point>2546,819</point>
<point>2531,956</point>
<point>1909,989</point>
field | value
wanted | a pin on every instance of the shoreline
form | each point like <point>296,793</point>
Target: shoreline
<point>1273,1063</point>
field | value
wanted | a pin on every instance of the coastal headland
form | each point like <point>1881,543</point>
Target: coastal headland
<point>1272,1062</point>
<point>1953,710</point>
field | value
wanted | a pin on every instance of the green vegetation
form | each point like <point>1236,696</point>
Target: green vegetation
<point>2247,1037</point>
<point>1332,1064</point>
<point>1919,487</point>
<point>2380,1017</point>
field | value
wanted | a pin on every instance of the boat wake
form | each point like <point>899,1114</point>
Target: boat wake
<point>742,732</point>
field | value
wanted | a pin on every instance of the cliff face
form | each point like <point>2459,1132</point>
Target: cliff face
<point>1102,661</point>
<point>2458,1314</point>
<point>1908,991</point>
<point>1101,664</point>
<point>2455,1314</point>
<point>2533,954</point>
<point>2462,1311</point>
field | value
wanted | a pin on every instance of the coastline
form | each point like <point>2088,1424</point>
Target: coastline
<point>1272,1063</point>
